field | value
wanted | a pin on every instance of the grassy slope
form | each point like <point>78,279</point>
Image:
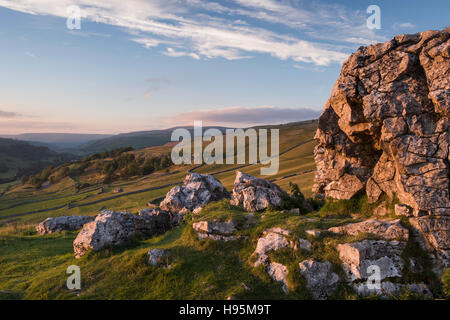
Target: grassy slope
<point>34,267</point>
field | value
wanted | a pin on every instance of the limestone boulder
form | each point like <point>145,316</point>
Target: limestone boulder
<point>197,191</point>
<point>362,259</point>
<point>70,223</point>
<point>391,230</point>
<point>321,281</point>
<point>112,228</point>
<point>255,194</point>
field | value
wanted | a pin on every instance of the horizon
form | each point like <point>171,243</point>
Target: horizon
<point>157,65</point>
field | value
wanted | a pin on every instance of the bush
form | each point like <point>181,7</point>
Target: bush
<point>295,198</point>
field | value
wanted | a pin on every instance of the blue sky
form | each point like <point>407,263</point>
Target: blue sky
<point>141,65</point>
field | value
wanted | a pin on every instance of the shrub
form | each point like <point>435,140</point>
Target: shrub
<point>295,198</point>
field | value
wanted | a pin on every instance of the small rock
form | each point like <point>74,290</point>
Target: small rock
<point>225,228</point>
<point>279,272</point>
<point>388,289</point>
<point>155,256</point>
<point>304,244</point>
<point>273,239</point>
<point>118,190</point>
<point>314,233</point>
<point>402,210</point>
<point>320,280</point>
<point>380,211</point>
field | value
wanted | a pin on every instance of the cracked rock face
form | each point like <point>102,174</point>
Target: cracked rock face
<point>197,191</point>
<point>321,281</point>
<point>255,194</point>
<point>359,258</point>
<point>116,228</point>
<point>385,129</point>
<point>51,225</point>
<point>391,230</point>
<point>279,272</point>
<point>216,230</point>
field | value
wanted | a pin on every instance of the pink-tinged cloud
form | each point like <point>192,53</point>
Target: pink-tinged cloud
<point>8,114</point>
<point>243,116</point>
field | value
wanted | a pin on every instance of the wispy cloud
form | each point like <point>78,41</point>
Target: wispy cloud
<point>403,25</point>
<point>234,29</point>
<point>242,116</point>
<point>8,114</point>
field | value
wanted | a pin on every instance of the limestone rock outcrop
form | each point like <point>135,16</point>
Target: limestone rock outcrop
<point>112,228</point>
<point>385,130</point>
<point>216,230</point>
<point>273,239</point>
<point>321,281</point>
<point>359,258</point>
<point>51,225</point>
<point>255,194</point>
<point>391,230</point>
<point>197,191</point>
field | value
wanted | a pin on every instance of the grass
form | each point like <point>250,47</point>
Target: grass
<point>359,204</point>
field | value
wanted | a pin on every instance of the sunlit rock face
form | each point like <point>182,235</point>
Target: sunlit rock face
<point>384,130</point>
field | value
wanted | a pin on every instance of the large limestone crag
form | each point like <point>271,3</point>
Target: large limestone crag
<point>385,129</point>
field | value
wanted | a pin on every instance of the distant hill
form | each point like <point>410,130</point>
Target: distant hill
<point>20,157</point>
<point>57,141</point>
<point>137,140</point>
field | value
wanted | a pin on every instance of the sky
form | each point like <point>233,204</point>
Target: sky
<point>141,65</point>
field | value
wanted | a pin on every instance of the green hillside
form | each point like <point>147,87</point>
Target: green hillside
<point>19,157</point>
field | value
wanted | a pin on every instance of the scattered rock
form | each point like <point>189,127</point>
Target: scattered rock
<point>227,227</point>
<point>359,258</point>
<point>112,228</point>
<point>321,281</point>
<point>381,210</point>
<point>314,233</point>
<point>273,239</point>
<point>390,230</point>
<point>216,230</point>
<point>156,257</point>
<point>402,210</point>
<point>197,191</point>
<point>304,244</point>
<point>51,225</point>
<point>175,218</point>
<point>255,194</point>
<point>279,272</point>
<point>388,289</point>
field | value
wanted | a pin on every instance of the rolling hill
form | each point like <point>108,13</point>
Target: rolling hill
<point>19,157</point>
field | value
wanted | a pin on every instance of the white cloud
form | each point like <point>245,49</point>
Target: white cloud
<point>172,53</point>
<point>234,29</point>
<point>404,25</point>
